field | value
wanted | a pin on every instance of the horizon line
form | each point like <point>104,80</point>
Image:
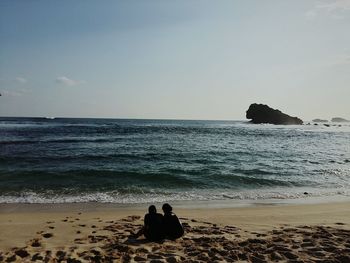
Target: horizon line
<point>122,118</point>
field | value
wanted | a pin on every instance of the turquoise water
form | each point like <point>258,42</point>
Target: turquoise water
<point>136,161</point>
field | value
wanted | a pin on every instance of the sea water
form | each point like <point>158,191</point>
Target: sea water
<point>66,160</point>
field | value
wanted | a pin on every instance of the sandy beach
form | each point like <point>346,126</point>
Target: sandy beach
<point>101,233</point>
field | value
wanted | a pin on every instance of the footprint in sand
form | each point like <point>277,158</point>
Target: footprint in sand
<point>47,235</point>
<point>60,254</point>
<point>22,253</point>
<point>37,257</point>
<point>11,259</point>
<point>36,243</point>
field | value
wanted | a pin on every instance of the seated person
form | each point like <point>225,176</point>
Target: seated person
<point>172,226</point>
<point>153,225</point>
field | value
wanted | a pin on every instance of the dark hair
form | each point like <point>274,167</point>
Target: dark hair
<point>152,209</point>
<point>167,208</point>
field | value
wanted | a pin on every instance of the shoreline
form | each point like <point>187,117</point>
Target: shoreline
<point>211,197</point>
<point>182,204</point>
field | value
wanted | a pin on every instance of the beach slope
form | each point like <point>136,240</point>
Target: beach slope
<point>102,233</point>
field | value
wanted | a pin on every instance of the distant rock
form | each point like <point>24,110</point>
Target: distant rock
<point>337,119</point>
<point>260,113</point>
<point>319,120</point>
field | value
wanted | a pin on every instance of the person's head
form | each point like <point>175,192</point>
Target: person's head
<point>167,208</point>
<point>152,209</point>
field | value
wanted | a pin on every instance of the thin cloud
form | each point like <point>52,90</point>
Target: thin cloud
<point>332,8</point>
<point>68,82</point>
<point>334,5</point>
<point>21,80</point>
<point>311,14</point>
<point>11,93</point>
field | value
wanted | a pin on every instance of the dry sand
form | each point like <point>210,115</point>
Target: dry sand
<point>101,233</point>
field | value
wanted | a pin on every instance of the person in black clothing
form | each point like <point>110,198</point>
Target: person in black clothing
<point>153,225</point>
<point>172,226</point>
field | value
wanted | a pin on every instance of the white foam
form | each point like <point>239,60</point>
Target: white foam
<point>156,197</point>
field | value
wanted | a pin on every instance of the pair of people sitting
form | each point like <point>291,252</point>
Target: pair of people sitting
<point>157,226</point>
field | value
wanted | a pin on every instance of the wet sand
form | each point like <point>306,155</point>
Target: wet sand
<point>102,233</point>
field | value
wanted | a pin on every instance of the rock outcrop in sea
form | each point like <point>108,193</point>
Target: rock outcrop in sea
<point>260,113</point>
<point>319,120</point>
<point>337,119</point>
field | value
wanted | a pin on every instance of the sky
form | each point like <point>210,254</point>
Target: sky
<point>174,59</point>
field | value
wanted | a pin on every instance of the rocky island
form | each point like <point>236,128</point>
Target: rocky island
<point>260,113</point>
<point>319,120</point>
<point>337,119</point>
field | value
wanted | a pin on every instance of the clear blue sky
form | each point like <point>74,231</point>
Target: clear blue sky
<point>174,59</point>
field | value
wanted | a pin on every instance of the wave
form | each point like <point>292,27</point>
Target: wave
<point>110,180</point>
<point>92,179</point>
<point>139,196</point>
<point>69,157</point>
<point>65,140</point>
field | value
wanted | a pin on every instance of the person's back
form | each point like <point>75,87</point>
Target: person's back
<point>153,225</point>
<point>172,225</point>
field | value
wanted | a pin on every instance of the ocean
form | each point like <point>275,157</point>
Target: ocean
<point>126,161</point>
